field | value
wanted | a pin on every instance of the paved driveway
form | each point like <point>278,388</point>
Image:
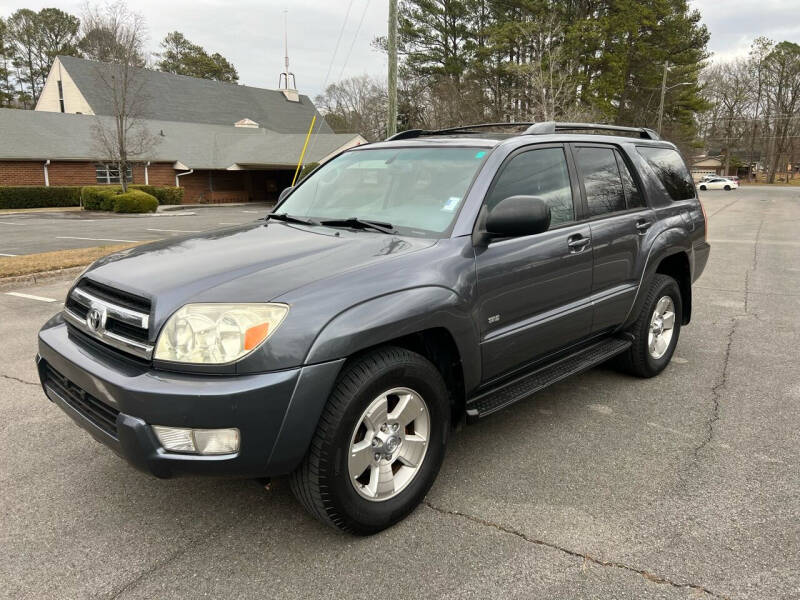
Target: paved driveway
<point>603,486</point>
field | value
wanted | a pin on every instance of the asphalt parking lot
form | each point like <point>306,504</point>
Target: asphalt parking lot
<point>603,486</point>
<point>28,233</point>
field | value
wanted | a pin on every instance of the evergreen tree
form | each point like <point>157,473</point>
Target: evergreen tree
<point>182,57</point>
<point>6,60</point>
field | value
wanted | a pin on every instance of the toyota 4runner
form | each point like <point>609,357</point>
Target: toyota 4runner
<point>403,287</point>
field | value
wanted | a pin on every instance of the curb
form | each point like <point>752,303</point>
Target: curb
<point>7,283</point>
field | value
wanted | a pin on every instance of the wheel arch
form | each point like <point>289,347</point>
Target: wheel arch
<point>432,321</point>
<point>669,255</point>
<point>678,267</point>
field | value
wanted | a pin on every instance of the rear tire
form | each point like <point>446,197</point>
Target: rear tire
<point>727,188</point>
<point>655,337</point>
<point>333,483</point>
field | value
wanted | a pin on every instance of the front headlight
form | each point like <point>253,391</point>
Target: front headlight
<point>217,333</point>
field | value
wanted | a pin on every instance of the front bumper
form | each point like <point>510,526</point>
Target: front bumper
<point>116,400</point>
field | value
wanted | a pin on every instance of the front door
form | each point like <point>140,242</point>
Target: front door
<point>534,290</point>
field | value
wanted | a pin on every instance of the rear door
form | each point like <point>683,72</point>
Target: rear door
<point>619,220</point>
<point>534,290</point>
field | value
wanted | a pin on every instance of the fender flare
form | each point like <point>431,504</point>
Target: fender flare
<point>668,242</point>
<point>395,315</point>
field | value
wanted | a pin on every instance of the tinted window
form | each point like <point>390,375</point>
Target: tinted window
<point>671,171</point>
<point>541,173</point>
<point>604,192</point>
<point>633,196</point>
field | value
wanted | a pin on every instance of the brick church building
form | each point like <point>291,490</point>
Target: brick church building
<point>222,142</point>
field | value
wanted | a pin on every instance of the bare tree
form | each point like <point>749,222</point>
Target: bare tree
<point>729,88</point>
<point>783,96</point>
<point>357,104</point>
<point>124,137</point>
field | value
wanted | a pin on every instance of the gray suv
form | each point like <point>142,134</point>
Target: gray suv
<point>402,288</point>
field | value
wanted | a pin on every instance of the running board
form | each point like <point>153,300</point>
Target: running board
<point>525,385</point>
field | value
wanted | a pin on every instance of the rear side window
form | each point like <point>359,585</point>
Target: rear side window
<point>632,193</point>
<point>541,173</point>
<point>671,171</point>
<point>601,180</point>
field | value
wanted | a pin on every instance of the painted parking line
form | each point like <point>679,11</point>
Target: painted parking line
<point>177,230</point>
<point>7,223</point>
<point>69,237</point>
<point>31,297</point>
<point>4,254</point>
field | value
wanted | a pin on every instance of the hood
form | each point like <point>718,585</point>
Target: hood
<point>251,263</point>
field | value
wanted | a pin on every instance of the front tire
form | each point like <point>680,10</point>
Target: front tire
<point>379,443</point>
<point>703,188</point>
<point>656,329</point>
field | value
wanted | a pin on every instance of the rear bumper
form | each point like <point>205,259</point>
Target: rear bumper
<point>117,401</point>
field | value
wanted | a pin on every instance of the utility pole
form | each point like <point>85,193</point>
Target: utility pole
<point>391,127</point>
<point>663,94</point>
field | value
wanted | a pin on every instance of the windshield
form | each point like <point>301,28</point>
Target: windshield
<point>417,190</point>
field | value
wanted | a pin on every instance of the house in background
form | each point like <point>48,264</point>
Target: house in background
<point>222,142</point>
<point>705,165</point>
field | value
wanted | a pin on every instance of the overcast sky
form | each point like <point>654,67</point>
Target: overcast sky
<point>250,32</point>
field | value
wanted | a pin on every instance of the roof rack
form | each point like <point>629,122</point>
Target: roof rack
<point>546,127</point>
<point>413,133</point>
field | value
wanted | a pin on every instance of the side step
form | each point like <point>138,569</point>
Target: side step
<point>523,386</point>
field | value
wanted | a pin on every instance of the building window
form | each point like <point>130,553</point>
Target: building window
<point>110,173</point>
<point>61,95</point>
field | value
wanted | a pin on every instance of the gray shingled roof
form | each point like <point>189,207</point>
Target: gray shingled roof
<point>37,135</point>
<point>193,100</point>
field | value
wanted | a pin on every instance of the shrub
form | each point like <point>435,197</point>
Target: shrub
<point>135,201</point>
<point>164,195</point>
<point>97,197</point>
<point>38,196</point>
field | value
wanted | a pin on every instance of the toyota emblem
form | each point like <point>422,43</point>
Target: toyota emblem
<point>96,319</point>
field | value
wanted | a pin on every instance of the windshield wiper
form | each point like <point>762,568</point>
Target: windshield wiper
<point>291,219</point>
<point>355,222</point>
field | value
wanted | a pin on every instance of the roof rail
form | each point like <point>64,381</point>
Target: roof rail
<point>546,127</point>
<point>413,133</point>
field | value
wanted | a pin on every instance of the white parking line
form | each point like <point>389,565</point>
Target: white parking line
<point>3,254</point>
<point>177,230</point>
<point>251,211</point>
<point>30,297</point>
<point>221,223</point>
<point>7,223</point>
<point>69,237</point>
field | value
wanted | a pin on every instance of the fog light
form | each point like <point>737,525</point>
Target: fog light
<point>198,441</point>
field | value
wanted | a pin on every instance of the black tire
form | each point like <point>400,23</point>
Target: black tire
<point>703,188</point>
<point>727,188</point>
<point>638,360</point>
<point>322,483</point>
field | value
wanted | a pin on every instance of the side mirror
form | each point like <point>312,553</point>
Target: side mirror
<point>519,215</point>
<point>285,193</point>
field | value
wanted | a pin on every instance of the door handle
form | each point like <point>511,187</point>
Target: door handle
<point>577,243</point>
<point>642,225</point>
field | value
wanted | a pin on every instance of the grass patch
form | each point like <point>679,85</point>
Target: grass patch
<point>11,266</point>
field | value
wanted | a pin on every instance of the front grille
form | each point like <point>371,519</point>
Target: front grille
<point>96,411</point>
<point>113,296</point>
<point>121,320</point>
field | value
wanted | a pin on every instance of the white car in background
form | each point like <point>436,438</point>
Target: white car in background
<point>718,183</point>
